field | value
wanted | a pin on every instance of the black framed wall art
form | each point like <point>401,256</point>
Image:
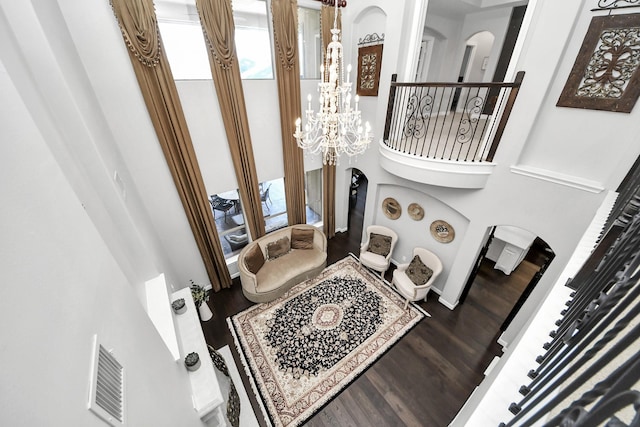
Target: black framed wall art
<point>369,64</point>
<point>606,73</point>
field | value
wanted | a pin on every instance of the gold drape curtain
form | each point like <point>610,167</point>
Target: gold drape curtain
<point>138,23</point>
<point>216,18</point>
<point>329,200</point>
<point>327,14</point>
<point>285,30</point>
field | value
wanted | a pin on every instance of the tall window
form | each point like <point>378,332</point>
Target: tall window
<point>187,54</point>
<point>309,43</point>
<point>253,42</point>
<point>227,211</point>
<point>185,46</point>
<point>313,192</point>
<point>274,204</point>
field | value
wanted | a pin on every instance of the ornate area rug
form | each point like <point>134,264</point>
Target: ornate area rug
<point>305,347</point>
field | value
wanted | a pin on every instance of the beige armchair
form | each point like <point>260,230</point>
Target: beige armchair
<point>376,252</point>
<point>405,276</point>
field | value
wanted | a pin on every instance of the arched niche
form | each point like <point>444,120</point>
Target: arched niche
<point>416,232</point>
<point>369,20</point>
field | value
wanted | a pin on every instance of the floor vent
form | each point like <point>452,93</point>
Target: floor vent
<point>106,396</point>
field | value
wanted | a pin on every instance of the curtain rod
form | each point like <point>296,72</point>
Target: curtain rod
<point>341,3</point>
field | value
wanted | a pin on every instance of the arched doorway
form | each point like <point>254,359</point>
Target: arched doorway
<point>357,200</point>
<point>474,62</point>
<point>508,268</point>
<point>481,44</point>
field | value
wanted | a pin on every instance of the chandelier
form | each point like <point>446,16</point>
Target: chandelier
<point>336,128</point>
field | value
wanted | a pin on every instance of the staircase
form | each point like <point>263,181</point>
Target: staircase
<point>493,408</point>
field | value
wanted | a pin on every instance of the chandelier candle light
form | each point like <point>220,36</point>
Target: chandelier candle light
<point>336,128</point>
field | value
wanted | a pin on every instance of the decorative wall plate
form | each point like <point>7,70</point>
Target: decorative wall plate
<point>391,208</point>
<point>442,231</point>
<point>415,211</point>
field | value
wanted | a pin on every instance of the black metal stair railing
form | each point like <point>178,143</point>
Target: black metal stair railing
<point>449,121</point>
<point>597,341</point>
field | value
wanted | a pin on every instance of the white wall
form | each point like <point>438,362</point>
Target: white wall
<point>495,21</point>
<point>586,147</point>
<point>582,141</point>
<point>97,72</point>
<point>555,210</point>
<point>531,126</point>
<point>61,285</point>
<point>452,35</point>
<point>370,20</point>
<point>444,64</point>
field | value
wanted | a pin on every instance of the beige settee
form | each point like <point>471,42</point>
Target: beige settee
<point>266,282</point>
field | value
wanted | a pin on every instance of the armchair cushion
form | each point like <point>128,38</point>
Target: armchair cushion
<point>278,248</point>
<point>254,259</point>
<point>379,244</point>
<point>302,238</point>
<point>418,272</point>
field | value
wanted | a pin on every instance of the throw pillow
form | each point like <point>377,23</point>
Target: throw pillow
<point>254,259</point>
<point>418,272</point>
<point>278,248</point>
<point>302,238</point>
<point>379,244</point>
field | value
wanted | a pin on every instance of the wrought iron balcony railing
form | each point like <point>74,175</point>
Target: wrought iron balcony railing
<point>449,121</point>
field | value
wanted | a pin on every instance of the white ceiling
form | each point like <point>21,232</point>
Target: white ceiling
<point>453,9</point>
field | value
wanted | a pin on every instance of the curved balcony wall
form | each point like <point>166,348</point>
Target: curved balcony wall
<point>443,173</point>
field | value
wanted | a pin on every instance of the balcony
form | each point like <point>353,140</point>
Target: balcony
<point>446,134</point>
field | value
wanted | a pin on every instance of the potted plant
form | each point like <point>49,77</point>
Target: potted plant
<point>179,306</point>
<point>192,361</point>
<point>199,293</point>
<point>200,297</point>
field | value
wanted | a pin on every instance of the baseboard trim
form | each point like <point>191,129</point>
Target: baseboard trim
<point>447,304</point>
<point>503,343</point>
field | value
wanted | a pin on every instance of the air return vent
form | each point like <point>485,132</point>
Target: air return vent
<point>106,395</point>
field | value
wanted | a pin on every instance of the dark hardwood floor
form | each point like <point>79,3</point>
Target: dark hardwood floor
<point>428,375</point>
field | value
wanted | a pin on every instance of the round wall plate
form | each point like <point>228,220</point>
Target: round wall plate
<point>391,208</point>
<point>442,231</point>
<point>415,211</point>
